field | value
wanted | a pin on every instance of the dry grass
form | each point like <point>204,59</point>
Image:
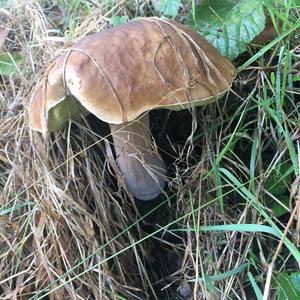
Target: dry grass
<point>69,230</point>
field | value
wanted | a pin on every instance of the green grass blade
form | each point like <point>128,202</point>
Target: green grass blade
<point>268,47</point>
<point>257,291</point>
<point>253,161</point>
<point>222,276</point>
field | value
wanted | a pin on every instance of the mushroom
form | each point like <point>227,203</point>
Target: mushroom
<point>120,74</point>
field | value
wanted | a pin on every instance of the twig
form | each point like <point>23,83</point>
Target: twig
<point>272,264</point>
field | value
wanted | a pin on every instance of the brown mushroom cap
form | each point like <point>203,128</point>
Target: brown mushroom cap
<point>121,72</point>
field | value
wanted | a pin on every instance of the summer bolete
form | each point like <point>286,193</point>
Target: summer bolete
<point>119,75</point>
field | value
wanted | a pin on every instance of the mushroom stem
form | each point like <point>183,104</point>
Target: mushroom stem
<point>142,167</point>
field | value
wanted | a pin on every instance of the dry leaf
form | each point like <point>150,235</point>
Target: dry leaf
<point>267,35</point>
<point>3,35</point>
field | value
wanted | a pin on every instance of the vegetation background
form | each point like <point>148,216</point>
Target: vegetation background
<point>229,226</point>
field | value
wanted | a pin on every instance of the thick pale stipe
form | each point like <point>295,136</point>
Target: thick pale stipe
<point>142,167</point>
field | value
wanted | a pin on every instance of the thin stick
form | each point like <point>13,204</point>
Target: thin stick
<point>272,264</point>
